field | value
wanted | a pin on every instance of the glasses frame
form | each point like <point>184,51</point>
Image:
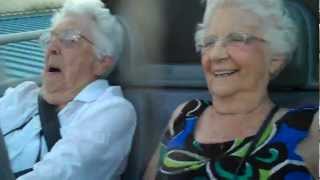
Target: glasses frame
<point>68,38</point>
<point>235,37</point>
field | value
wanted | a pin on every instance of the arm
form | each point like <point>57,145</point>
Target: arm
<point>94,148</point>
<point>309,147</point>
<point>151,171</point>
<point>152,168</point>
<point>17,104</point>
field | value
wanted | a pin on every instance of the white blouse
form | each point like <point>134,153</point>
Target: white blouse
<point>97,128</point>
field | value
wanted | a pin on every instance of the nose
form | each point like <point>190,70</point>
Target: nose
<point>54,47</point>
<point>218,53</point>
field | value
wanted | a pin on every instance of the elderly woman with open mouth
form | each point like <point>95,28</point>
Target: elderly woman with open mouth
<point>76,125</point>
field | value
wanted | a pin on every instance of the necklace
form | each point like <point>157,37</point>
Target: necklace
<point>256,139</point>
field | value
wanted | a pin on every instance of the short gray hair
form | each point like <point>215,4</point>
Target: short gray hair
<point>108,33</point>
<point>279,28</point>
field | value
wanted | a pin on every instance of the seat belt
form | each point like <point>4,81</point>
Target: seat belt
<point>49,128</point>
<point>49,122</point>
<point>5,170</point>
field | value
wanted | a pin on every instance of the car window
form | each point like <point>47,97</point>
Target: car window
<point>179,28</point>
<point>23,59</point>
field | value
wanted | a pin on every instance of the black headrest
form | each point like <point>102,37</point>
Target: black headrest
<point>301,72</point>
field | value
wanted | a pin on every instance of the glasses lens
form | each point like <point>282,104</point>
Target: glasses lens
<point>210,41</point>
<point>235,38</point>
<point>69,37</point>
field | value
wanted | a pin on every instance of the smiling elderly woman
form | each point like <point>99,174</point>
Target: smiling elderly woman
<point>241,134</point>
<point>96,122</point>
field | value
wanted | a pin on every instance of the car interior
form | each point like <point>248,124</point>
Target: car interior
<point>157,86</point>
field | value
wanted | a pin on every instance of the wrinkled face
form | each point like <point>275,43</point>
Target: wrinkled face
<point>235,58</point>
<point>69,65</point>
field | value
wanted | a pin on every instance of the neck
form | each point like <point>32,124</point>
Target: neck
<point>241,117</point>
<point>241,104</point>
<point>237,117</point>
<point>60,98</point>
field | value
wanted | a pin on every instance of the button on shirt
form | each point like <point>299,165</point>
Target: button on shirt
<point>97,127</point>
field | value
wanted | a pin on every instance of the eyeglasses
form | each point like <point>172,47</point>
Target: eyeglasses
<point>68,38</point>
<point>236,39</point>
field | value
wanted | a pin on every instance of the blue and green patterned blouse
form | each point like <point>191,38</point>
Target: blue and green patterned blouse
<point>183,158</point>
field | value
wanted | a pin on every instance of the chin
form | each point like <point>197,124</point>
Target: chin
<point>222,91</point>
<point>54,97</point>
<point>52,85</point>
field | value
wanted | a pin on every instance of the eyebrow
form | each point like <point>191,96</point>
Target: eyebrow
<point>60,31</point>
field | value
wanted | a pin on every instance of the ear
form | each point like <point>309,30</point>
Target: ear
<point>101,66</point>
<point>278,62</point>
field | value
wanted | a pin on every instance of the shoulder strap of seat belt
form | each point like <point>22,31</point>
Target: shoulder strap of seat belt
<point>49,122</point>
<point>50,128</point>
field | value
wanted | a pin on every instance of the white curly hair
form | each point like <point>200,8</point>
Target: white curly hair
<point>278,27</point>
<point>108,32</point>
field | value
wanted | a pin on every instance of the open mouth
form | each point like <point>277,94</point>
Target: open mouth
<point>224,73</point>
<point>54,70</point>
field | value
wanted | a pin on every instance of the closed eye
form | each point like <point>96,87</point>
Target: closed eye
<point>236,37</point>
<point>210,42</point>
